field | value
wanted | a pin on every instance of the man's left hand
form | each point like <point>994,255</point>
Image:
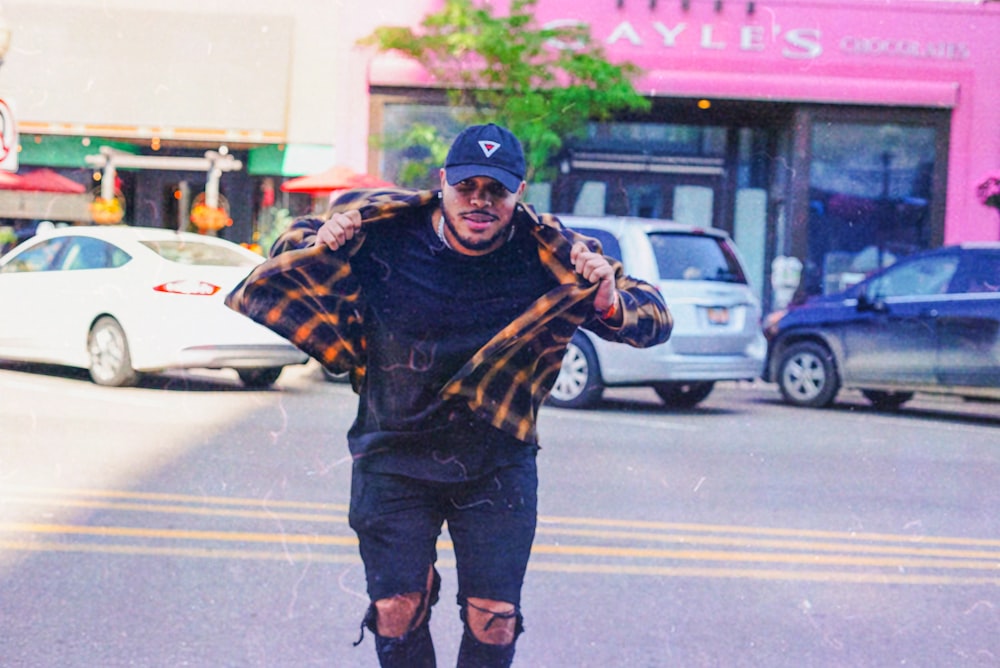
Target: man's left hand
<point>595,268</point>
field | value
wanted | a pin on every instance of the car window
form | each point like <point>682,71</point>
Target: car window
<point>88,253</point>
<point>924,276</point>
<point>984,272</point>
<point>42,257</point>
<point>199,254</point>
<point>695,257</point>
<point>609,243</point>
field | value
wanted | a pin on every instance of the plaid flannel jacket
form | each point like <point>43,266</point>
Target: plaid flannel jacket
<point>307,294</point>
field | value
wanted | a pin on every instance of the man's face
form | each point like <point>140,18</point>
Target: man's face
<point>477,213</point>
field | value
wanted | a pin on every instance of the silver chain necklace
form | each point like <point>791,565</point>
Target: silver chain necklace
<point>440,232</point>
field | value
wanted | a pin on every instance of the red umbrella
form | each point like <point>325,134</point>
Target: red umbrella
<point>335,178</point>
<point>49,180</point>
<point>9,181</point>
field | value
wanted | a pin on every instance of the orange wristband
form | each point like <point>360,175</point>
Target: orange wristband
<point>612,310</point>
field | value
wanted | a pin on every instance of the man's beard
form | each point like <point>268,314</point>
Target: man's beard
<point>480,244</point>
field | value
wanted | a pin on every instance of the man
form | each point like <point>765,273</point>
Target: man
<point>451,309</point>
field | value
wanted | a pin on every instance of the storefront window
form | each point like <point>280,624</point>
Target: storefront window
<point>655,139</point>
<point>870,196</point>
<point>647,170</point>
<point>415,140</point>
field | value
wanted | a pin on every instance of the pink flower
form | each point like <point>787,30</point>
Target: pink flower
<point>988,190</point>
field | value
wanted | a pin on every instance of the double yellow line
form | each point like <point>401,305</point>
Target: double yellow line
<point>670,549</point>
<point>318,532</point>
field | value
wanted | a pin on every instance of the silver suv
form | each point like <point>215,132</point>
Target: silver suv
<point>717,317</point>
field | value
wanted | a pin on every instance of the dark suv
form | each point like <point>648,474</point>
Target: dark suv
<point>929,323</point>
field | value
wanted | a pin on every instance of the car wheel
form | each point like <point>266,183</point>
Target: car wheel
<point>110,360</point>
<point>887,401</point>
<point>265,377</point>
<point>807,375</point>
<point>683,395</point>
<point>579,382</point>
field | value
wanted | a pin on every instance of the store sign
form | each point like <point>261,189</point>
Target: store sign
<point>795,43</point>
<point>809,40</point>
<point>8,139</point>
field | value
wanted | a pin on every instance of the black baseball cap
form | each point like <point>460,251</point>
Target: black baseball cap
<point>486,150</point>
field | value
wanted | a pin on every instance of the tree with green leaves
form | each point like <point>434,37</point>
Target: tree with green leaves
<point>542,82</point>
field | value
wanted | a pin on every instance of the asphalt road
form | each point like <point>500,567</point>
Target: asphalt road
<point>189,522</point>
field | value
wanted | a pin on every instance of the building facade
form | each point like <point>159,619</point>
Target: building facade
<point>828,137</point>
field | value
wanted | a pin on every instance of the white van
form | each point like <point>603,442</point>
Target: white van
<point>717,331</point>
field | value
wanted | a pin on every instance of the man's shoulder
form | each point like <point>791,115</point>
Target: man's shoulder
<point>375,203</point>
<point>543,220</point>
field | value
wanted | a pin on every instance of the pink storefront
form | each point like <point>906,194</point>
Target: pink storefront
<point>840,133</point>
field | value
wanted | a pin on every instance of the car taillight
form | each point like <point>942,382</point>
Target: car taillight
<point>188,288</point>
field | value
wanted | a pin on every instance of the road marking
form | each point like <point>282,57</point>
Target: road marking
<point>767,557</point>
<point>918,558</point>
<point>841,577</point>
<point>191,552</point>
<point>264,513</point>
<point>180,534</point>
<point>768,531</point>
<point>564,544</point>
<point>183,498</point>
<point>910,548</point>
<point>188,503</point>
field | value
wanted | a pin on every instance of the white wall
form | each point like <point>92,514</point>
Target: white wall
<point>265,71</point>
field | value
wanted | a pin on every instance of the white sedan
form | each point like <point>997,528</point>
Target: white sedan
<point>122,300</point>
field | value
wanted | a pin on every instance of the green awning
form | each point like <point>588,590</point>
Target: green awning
<point>69,152</point>
<point>289,159</point>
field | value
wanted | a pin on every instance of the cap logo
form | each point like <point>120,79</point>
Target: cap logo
<point>489,147</point>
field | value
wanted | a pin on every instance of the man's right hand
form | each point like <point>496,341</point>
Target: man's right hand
<point>339,229</point>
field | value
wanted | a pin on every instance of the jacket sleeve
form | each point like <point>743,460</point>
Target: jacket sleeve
<point>300,234</point>
<point>646,318</point>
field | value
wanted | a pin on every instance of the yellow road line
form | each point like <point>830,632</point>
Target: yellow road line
<point>180,534</point>
<point>765,557</point>
<point>759,543</point>
<point>180,498</point>
<point>843,577</point>
<point>184,510</point>
<point>189,552</point>
<point>912,556</point>
<point>763,531</point>
<point>757,538</point>
<point>849,577</point>
<point>597,551</point>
